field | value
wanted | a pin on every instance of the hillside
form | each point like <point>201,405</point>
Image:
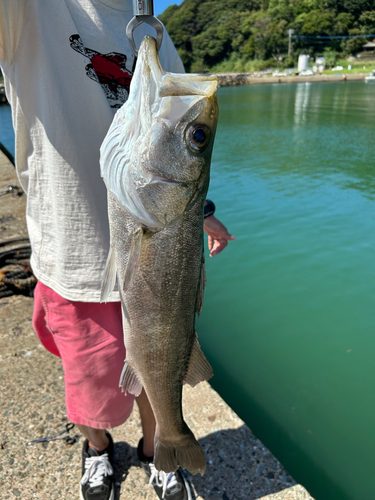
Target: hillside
<point>245,35</point>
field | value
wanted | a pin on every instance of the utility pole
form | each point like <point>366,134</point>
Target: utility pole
<point>290,32</point>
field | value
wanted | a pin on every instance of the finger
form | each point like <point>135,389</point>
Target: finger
<point>225,235</point>
<point>210,242</point>
<point>218,247</point>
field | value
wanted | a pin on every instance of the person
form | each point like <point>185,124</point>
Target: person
<point>67,66</point>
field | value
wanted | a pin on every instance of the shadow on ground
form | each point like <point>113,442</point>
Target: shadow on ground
<point>125,456</point>
<point>239,467</point>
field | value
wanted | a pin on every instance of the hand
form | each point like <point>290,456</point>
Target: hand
<point>218,235</point>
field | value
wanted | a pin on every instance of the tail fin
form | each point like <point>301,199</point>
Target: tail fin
<point>185,452</point>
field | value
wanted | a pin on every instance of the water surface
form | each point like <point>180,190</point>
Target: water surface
<point>289,314</point>
<point>6,128</point>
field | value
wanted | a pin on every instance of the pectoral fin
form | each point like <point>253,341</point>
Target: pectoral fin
<point>134,254</point>
<point>129,381</point>
<point>109,278</point>
<point>199,368</point>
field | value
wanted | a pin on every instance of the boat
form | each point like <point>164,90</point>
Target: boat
<point>371,78</point>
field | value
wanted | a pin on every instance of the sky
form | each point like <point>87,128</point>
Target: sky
<point>161,5</point>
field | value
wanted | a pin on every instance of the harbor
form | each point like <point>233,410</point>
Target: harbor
<point>127,142</point>
<point>287,319</point>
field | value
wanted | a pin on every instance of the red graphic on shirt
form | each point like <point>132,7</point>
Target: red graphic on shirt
<point>107,69</point>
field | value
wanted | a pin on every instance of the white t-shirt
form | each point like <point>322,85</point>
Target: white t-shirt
<point>67,67</point>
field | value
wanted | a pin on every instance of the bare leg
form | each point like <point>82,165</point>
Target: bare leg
<point>148,424</point>
<point>97,437</point>
<point>99,441</point>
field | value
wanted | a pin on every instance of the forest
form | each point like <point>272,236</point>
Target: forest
<point>249,35</point>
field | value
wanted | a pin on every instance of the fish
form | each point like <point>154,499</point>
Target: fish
<point>155,162</point>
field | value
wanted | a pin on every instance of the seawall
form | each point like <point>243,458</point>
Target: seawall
<point>234,79</point>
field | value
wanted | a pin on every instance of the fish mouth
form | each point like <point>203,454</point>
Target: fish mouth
<point>158,178</point>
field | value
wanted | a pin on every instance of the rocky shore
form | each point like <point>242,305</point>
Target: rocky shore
<point>239,467</point>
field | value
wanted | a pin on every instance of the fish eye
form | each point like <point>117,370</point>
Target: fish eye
<point>197,137</point>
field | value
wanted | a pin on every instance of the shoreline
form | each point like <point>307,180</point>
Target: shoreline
<point>237,79</point>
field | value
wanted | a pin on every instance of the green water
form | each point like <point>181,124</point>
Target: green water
<point>288,321</point>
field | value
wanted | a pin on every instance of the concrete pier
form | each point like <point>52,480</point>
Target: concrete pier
<point>234,79</point>
<point>32,405</point>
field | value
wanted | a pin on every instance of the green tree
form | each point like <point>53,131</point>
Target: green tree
<point>355,7</point>
<point>330,57</point>
<point>354,45</point>
<point>367,22</point>
<point>254,33</point>
<point>316,22</point>
<point>342,23</point>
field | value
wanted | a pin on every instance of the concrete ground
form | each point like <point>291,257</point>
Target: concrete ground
<point>239,467</point>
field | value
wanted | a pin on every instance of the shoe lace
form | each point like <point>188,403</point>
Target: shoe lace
<point>95,469</point>
<point>163,480</point>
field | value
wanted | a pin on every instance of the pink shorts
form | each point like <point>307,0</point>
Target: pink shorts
<point>88,338</point>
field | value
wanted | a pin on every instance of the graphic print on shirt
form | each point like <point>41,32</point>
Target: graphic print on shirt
<point>107,69</point>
